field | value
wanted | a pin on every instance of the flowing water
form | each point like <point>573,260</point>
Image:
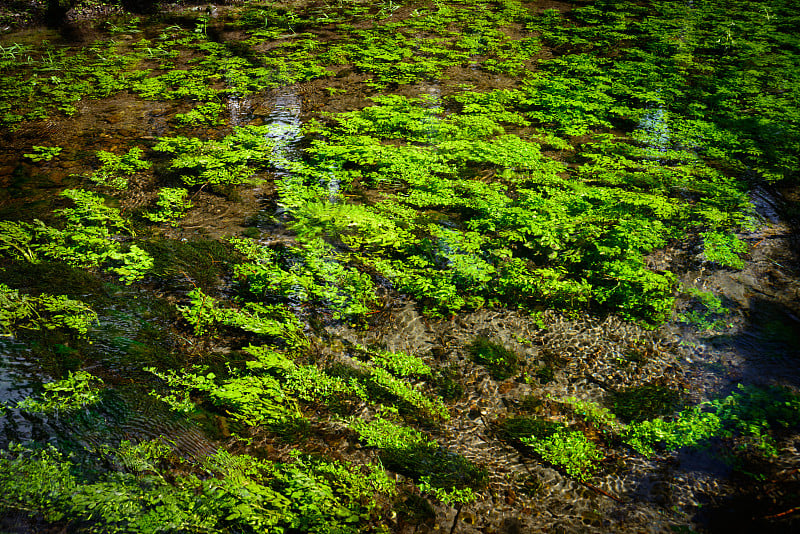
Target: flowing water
<point>589,357</point>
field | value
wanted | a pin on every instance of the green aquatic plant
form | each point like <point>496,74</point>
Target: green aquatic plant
<point>724,249</point>
<point>172,205</point>
<point>428,406</point>
<point>308,383</point>
<point>43,153</point>
<point>513,429</point>
<point>117,169</point>
<point>449,496</point>
<point>124,26</point>
<point>639,403</point>
<point>568,450</point>
<point>19,311</point>
<point>383,433</point>
<point>401,364</point>
<point>86,239</point>
<point>706,312</point>
<point>595,414</point>
<point>312,271</point>
<point>78,390</point>
<point>232,160</point>
<point>449,477</point>
<point>750,414</point>
<point>554,240</point>
<point>17,239</point>
<point>498,360</point>
<point>207,114</point>
<point>205,313</point>
<point>253,400</point>
<point>689,428</point>
<point>145,497</point>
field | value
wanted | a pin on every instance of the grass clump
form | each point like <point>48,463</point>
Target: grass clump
<point>514,429</point>
<point>500,362</point>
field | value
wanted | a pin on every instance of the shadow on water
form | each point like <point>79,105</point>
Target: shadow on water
<point>769,343</point>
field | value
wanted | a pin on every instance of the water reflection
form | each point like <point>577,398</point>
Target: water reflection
<point>286,128</point>
<point>653,129</point>
<point>17,378</point>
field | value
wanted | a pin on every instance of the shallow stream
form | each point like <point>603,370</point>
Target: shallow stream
<point>259,66</point>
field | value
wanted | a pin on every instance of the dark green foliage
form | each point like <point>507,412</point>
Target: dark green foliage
<point>443,468</point>
<point>201,262</point>
<point>500,362</point>
<point>544,374</point>
<point>448,385</point>
<point>514,429</point>
<point>642,402</point>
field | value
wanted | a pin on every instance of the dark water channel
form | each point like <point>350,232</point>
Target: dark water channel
<point>693,489</point>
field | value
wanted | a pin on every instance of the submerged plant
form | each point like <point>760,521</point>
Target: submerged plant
<point>86,240</point>
<point>116,169</point>
<point>311,272</point>
<point>724,249</point>
<point>172,204</point>
<point>498,360</point>
<point>19,311</point>
<point>706,310</point>
<point>77,390</point>
<point>43,153</point>
<point>232,160</point>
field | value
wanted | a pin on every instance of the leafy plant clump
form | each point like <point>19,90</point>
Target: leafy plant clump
<point>751,415</point>
<point>86,239</point>
<point>553,442</point>
<point>313,272</point>
<point>116,169</point>
<point>706,310</point>
<point>500,362</point>
<point>304,494</point>
<point>571,451</point>
<point>19,311</point>
<point>77,390</point>
<point>513,429</point>
<point>232,160</point>
<point>172,205</point>
<point>43,153</point>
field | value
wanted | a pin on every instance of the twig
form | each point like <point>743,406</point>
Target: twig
<point>603,492</point>
<point>455,519</point>
<point>787,512</point>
